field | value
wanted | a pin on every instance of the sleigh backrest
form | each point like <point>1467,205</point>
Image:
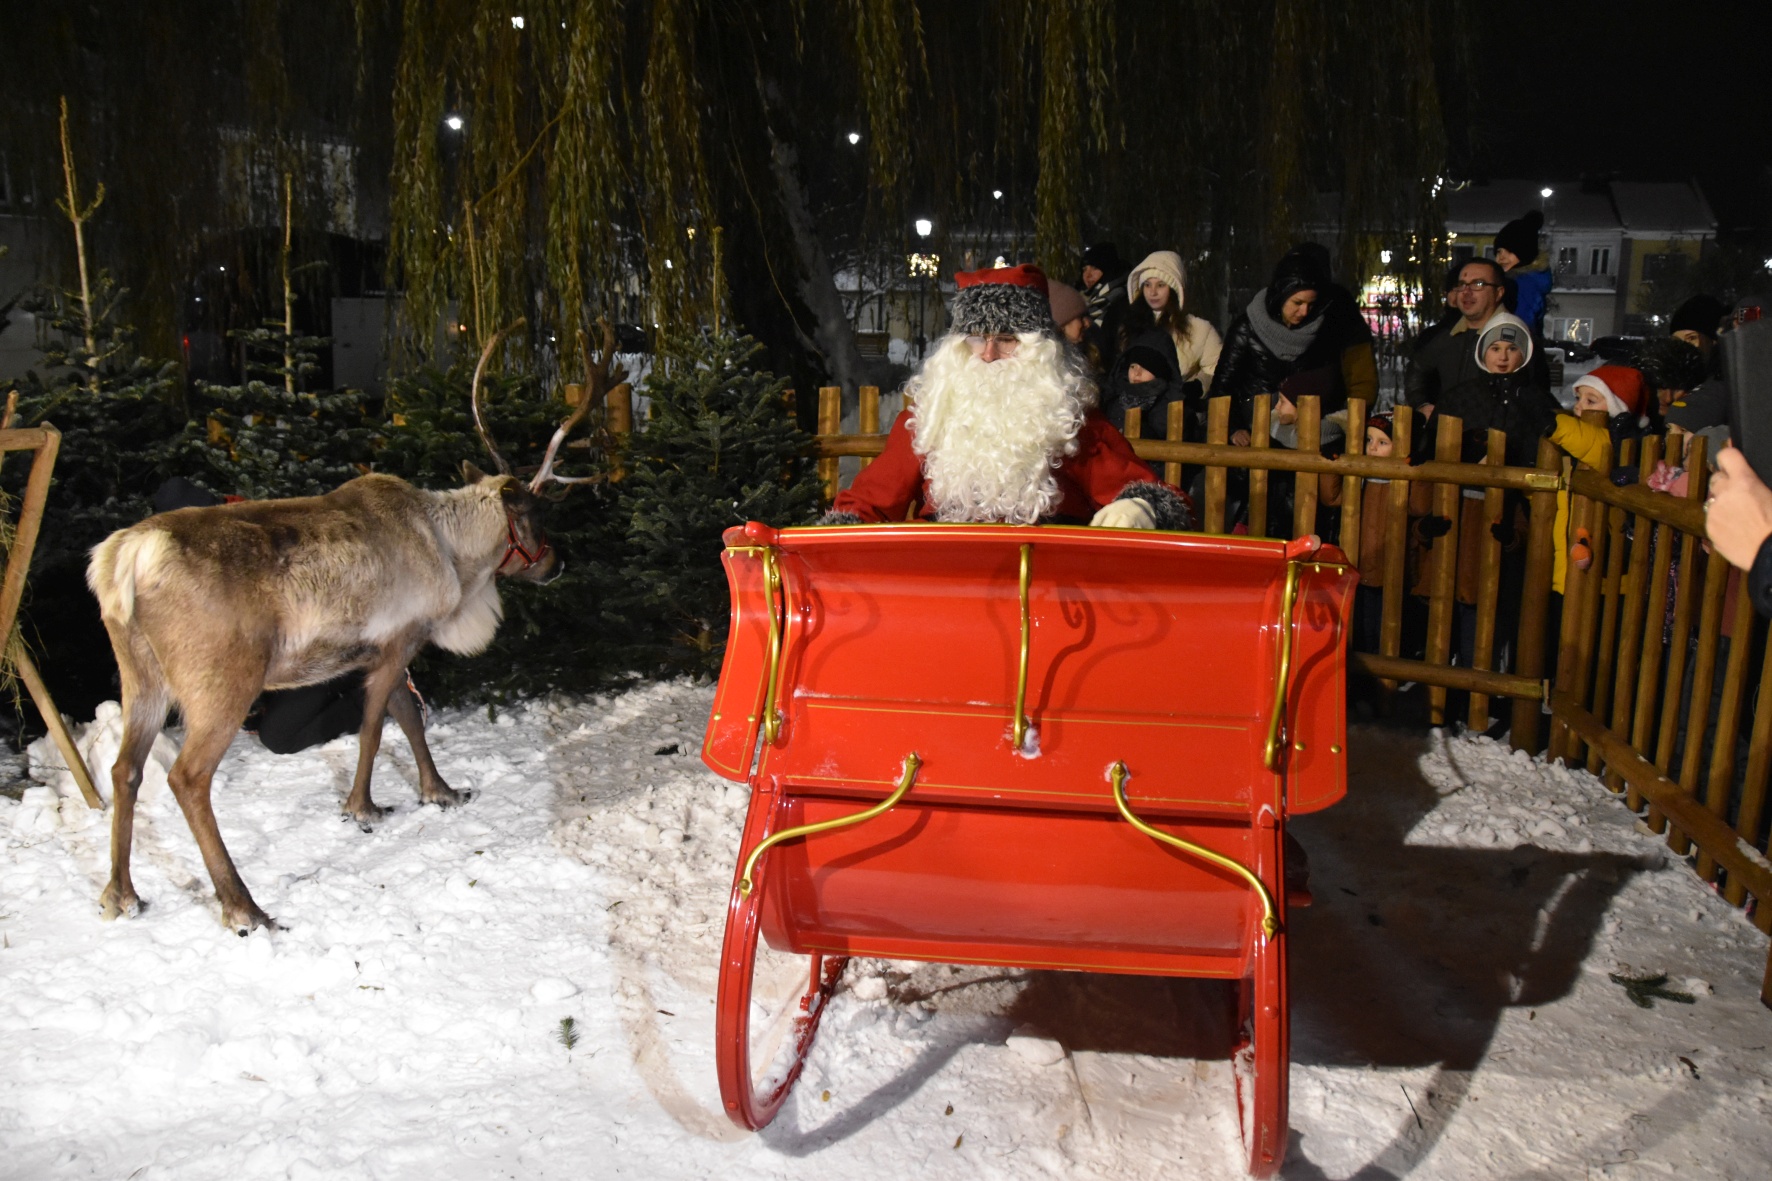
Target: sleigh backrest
<point>1159,651</point>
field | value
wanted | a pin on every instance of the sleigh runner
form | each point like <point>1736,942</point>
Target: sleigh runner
<point>1049,747</point>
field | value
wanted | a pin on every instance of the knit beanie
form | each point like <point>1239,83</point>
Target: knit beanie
<point>1520,236</point>
<point>1509,327</point>
<point>1701,314</point>
<point>1067,302</point>
<point>1381,422</point>
<point>1105,257</point>
<point>1620,385</point>
<point>1004,299</point>
<point>1165,265</point>
<point>1154,351</point>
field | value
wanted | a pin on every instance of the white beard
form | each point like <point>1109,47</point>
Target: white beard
<point>993,434</point>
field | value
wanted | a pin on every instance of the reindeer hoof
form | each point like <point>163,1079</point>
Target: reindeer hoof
<point>243,924</point>
<point>366,816</point>
<point>114,905</point>
<point>445,796</point>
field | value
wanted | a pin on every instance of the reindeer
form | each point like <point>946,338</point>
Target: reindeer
<point>206,607</point>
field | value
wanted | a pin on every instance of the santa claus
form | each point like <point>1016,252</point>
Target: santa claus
<point>1002,428</point>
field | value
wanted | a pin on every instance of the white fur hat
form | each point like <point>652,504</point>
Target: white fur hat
<point>1158,264</point>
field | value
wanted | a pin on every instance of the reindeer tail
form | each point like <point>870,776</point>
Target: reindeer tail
<point>119,564</point>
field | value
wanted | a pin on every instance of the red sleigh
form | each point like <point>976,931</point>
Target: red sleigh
<point>1042,747</point>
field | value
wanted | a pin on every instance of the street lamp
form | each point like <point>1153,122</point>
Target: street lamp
<point>924,227</point>
<point>453,122</point>
<point>1545,192</point>
<point>855,137</point>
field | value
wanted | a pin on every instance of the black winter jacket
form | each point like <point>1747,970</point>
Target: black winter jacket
<point>1246,368</point>
<point>1513,403</point>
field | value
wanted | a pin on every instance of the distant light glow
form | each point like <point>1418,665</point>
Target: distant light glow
<point>855,137</point>
<point>1384,256</point>
<point>1452,234</point>
<point>516,22</point>
<point>1000,262</point>
<point>924,227</point>
<point>1545,191</point>
<point>997,193</point>
<point>223,270</point>
<point>924,265</point>
<point>1769,264</point>
<point>667,264</point>
<point>454,122</point>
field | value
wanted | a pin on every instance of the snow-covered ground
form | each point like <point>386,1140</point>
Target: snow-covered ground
<point>1453,1012</point>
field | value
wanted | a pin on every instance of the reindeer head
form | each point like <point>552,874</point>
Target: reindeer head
<point>527,553</point>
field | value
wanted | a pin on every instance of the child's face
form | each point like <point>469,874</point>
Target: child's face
<point>1285,413</point>
<point>1503,356</point>
<point>1378,444</point>
<point>1590,399</point>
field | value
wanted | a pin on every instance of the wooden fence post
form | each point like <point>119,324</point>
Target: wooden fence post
<point>1396,546</point>
<point>1488,583</point>
<point>1260,437</point>
<point>1529,644</point>
<point>1635,602</point>
<point>1686,591</point>
<point>1218,430</point>
<point>1443,564</point>
<point>1353,486</point>
<point>1304,486</point>
<point>830,422</point>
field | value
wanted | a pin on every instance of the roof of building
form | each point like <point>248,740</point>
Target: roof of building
<point>1677,208</point>
<point>1484,207</point>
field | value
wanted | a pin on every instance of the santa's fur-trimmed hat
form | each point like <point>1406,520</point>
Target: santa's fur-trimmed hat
<point>1002,299</point>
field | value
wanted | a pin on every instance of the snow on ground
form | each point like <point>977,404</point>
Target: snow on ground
<point>1453,1015</point>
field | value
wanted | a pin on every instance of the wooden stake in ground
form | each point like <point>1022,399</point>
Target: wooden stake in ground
<point>79,215</point>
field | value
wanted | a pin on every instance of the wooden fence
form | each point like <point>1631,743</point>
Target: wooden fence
<point>1643,629</point>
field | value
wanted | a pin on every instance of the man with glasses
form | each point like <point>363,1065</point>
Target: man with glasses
<point>1002,427</point>
<point>1449,358</point>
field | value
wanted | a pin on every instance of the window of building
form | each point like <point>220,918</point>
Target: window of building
<point>1657,267</point>
<point>1463,254</point>
<point>1568,258</point>
<point>1600,261</point>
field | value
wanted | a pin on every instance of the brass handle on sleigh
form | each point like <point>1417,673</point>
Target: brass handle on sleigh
<point>911,763</point>
<point>1270,922</point>
<point>1271,752</point>
<point>771,589</point>
<point>1021,676</point>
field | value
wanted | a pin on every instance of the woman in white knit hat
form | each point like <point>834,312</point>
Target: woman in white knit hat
<point>1157,290</point>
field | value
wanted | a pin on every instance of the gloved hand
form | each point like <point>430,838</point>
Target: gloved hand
<point>1130,513</point>
<point>1504,531</point>
<point>1431,528</point>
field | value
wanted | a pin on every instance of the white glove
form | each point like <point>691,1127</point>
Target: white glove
<point>1130,513</point>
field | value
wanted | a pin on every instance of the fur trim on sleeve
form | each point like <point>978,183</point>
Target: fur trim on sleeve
<point>1172,509</point>
<point>833,517</point>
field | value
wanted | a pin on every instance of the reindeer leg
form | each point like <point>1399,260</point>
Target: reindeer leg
<point>431,787</point>
<point>378,685</point>
<point>145,704</point>
<point>206,741</point>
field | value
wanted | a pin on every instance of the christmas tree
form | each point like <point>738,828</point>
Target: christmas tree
<point>720,447</point>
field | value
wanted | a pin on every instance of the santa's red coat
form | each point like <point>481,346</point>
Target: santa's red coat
<point>893,487</point>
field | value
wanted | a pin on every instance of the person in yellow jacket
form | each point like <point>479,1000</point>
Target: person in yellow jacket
<point>1617,391</point>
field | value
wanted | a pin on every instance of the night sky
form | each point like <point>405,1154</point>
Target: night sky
<point>1631,90</point>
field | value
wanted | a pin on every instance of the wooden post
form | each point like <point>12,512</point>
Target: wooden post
<point>1260,436</point>
<point>1586,607</point>
<point>1353,486</point>
<point>1488,583</point>
<point>1304,486</point>
<point>1396,546</point>
<point>1218,430</point>
<point>1541,543</point>
<point>870,415</point>
<point>1650,671</point>
<point>1704,672</point>
<point>830,424</point>
<point>1177,426</point>
<point>1134,424</point>
<point>1630,626</point>
<point>1759,762</point>
<point>1687,588</point>
<point>52,719</point>
<point>1611,600</point>
<point>1443,563</point>
<point>1722,755</point>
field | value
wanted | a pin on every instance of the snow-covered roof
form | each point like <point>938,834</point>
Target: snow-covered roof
<point>1648,208</point>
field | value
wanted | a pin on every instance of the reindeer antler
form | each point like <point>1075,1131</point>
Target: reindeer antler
<point>504,468</point>
<point>597,384</point>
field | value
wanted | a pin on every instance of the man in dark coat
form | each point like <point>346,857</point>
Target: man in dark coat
<point>1447,359</point>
